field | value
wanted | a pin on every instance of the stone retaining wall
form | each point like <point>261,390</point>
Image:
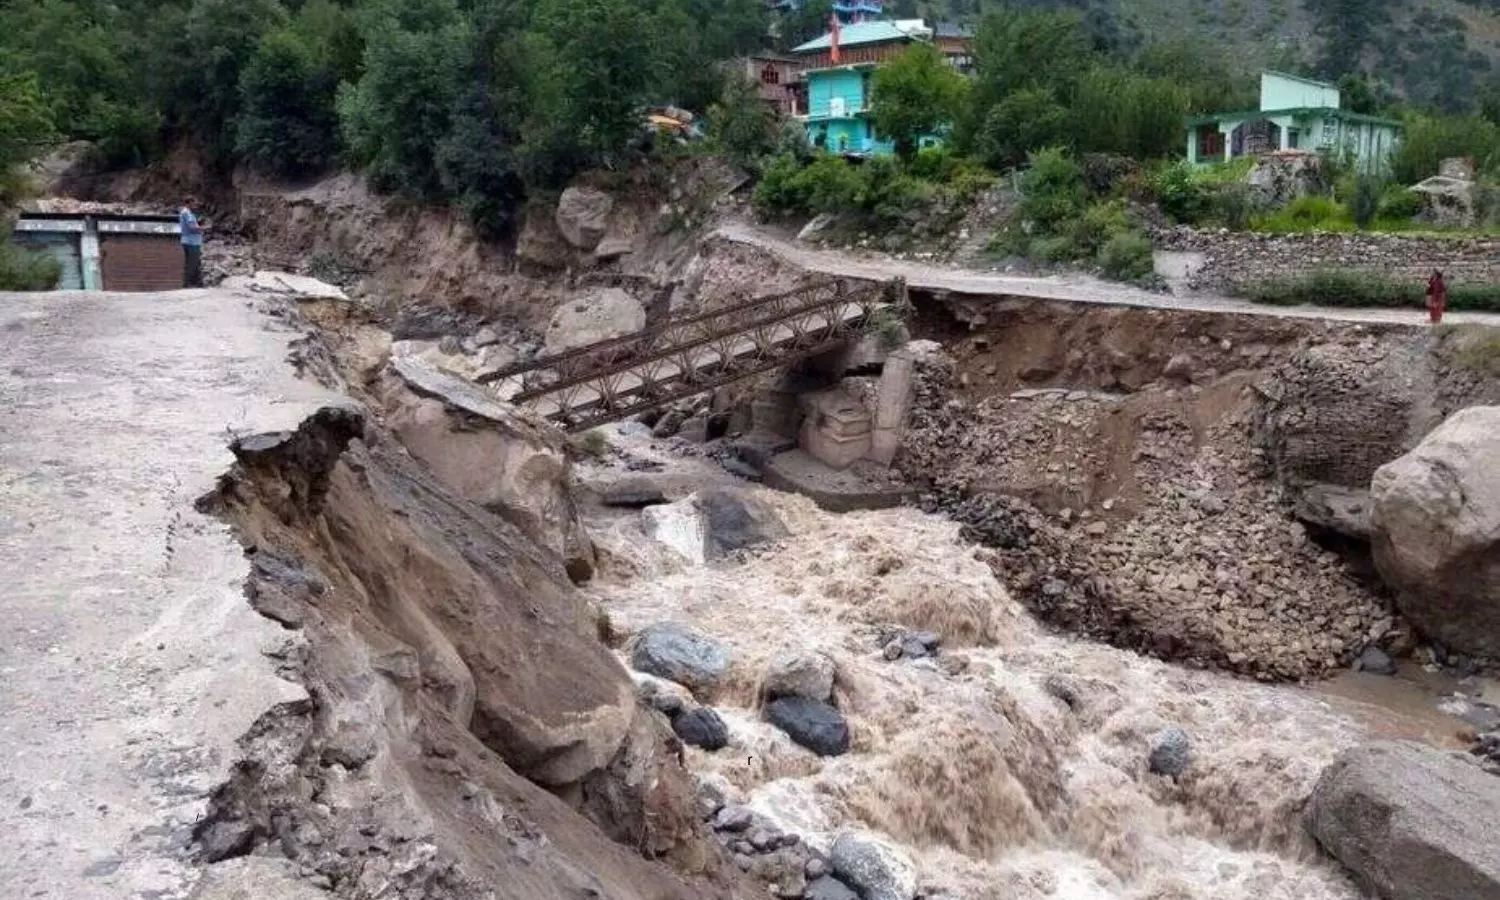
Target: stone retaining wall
<point>1233,258</point>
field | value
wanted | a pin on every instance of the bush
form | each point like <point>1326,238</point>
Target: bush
<point>1127,256</point>
<point>1098,224</point>
<point>778,193</point>
<point>1365,202</point>
<point>829,185</point>
<point>1398,204</point>
<point>27,270</point>
<point>1428,140</point>
<point>1180,194</point>
<point>1308,213</point>
<point>1052,191</point>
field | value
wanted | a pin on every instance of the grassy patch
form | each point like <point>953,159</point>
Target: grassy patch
<point>1476,348</point>
<point>1352,288</point>
<point>27,270</point>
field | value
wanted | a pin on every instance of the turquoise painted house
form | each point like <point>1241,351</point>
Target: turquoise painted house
<point>838,69</point>
<point>1295,114</point>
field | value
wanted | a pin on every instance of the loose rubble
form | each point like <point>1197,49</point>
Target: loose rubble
<point>1205,565</point>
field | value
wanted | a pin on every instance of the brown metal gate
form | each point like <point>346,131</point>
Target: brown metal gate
<point>140,262</point>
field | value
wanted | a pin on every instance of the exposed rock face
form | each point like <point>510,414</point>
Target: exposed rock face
<point>583,216</point>
<point>1405,820</point>
<point>1280,178</point>
<point>596,316</point>
<point>873,867</point>
<point>490,453</point>
<point>450,662</point>
<point>633,491</point>
<point>680,654</point>
<point>1436,531</point>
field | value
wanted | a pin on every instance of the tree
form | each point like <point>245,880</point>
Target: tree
<point>1026,120</point>
<point>804,24</point>
<point>287,124</point>
<point>25,129</point>
<point>915,95</point>
<point>400,110</point>
<point>1357,94</point>
<point>740,124</point>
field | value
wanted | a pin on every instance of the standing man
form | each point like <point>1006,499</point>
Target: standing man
<point>192,244</point>
<point>1437,297</point>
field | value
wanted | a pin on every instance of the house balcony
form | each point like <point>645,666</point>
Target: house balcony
<point>835,109</point>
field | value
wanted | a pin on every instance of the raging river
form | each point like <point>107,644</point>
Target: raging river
<point>1015,767</point>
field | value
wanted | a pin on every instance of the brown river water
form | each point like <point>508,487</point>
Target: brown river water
<point>997,788</point>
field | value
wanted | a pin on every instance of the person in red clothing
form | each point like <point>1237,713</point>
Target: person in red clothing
<point>1437,297</point>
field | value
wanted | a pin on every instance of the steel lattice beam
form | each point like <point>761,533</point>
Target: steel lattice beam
<point>613,379</point>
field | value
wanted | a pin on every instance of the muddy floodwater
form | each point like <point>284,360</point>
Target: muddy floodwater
<point>1014,765</point>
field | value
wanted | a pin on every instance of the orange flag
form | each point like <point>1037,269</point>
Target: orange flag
<point>833,38</point>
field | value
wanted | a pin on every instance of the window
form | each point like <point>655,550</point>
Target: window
<point>1293,138</point>
<point>770,74</point>
<point>1210,142</point>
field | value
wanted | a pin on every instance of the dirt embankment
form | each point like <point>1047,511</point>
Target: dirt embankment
<point>468,735</point>
<point>1139,474</point>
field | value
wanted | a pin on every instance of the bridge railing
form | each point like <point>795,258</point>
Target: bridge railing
<point>617,378</point>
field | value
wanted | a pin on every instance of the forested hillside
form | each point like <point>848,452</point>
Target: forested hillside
<point>1433,52</point>
<point>465,101</point>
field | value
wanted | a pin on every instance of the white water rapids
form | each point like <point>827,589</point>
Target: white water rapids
<point>995,786</point>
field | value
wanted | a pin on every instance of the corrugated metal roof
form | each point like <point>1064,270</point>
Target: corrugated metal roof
<point>856,34</point>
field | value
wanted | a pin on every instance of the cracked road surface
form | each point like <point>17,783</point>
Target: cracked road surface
<point>129,659</point>
<point>1070,288</point>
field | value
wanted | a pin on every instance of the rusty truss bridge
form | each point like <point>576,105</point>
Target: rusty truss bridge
<point>680,357</point>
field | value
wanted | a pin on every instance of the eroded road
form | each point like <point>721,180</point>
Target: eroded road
<point>1070,288</point>
<point>129,659</point>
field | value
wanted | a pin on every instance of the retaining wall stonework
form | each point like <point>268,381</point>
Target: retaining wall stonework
<point>1234,258</point>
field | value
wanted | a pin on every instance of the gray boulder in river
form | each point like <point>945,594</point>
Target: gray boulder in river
<point>1435,531</point>
<point>1410,822</point>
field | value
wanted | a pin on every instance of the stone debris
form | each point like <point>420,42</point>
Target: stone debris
<point>633,492</point>
<point>1204,565</point>
<point>701,727</point>
<point>679,654</point>
<point>873,867</point>
<point>799,673</point>
<point>810,723</point>
<point>1171,751</point>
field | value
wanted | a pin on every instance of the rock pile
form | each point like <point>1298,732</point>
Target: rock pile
<point>783,861</point>
<point>1210,569</point>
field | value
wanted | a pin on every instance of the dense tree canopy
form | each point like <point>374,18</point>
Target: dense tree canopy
<point>915,95</point>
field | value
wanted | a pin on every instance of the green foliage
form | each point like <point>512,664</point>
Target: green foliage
<point>1127,256</point>
<point>287,125</point>
<point>26,270</point>
<point>740,125</point>
<point>1052,191</point>
<point>1428,140</point>
<point>1398,203</point>
<point>1180,192</point>
<point>1308,213</point>
<point>1115,110</point>
<point>1353,288</point>
<point>25,123</point>
<point>914,95</point>
<point>1022,121</point>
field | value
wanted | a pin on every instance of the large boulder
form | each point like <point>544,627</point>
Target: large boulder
<point>583,216</point>
<point>811,723</point>
<point>1410,823</point>
<point>678,653</point>
<point>1435,526</point>
<point>490,453</point>
<point>873,867</point>
<point>713,523</point>
<point>799,673</point>
<point>599,315</point>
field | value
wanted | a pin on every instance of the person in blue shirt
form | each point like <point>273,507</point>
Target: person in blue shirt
<point>192,244</point>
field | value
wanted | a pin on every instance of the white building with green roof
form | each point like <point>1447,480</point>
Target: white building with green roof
<point>1295,114</point>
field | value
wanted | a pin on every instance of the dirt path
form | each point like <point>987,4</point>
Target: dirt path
<point>129,660</point>
<point>1071,288</point>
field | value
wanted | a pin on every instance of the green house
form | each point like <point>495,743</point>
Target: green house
<point>1295,114</point>
<point>838,70</point>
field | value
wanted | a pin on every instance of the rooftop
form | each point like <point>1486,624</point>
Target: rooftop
<point>1312,81</point>
<point>866,33</point>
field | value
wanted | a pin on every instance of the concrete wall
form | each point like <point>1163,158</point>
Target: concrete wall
<point>829,87</point>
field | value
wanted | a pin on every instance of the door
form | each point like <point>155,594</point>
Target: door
<point>138,262</point>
